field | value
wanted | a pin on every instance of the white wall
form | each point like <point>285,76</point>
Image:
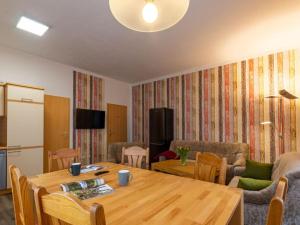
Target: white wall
<point>57,79</point>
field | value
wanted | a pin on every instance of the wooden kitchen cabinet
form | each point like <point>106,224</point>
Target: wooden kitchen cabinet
<point>24,94</point>
<point>30,161</point>
<point>24,126</point>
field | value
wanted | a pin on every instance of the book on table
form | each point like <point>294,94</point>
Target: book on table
<point>86,189</point>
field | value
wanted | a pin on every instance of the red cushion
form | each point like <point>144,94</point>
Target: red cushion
<point>168,154</point>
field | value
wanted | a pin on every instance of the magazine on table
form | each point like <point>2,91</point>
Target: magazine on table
<point>90,168</point>
<point>87,188</point>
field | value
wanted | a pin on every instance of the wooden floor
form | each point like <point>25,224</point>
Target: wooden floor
<point>6,210</point>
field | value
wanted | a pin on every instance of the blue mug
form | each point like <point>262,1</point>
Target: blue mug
<point>75,169</point>
<point>124,177</point>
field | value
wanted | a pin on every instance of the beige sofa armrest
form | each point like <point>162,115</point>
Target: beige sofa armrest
<point>240,160</point>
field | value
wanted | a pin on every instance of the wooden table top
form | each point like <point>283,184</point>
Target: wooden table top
<point>157,199</point>
<point>174,167</point>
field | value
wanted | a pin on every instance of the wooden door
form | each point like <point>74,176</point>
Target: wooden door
<point>117,123</point>
<point>57,125</point>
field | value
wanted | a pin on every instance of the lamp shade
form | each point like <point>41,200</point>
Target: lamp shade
<point>136,14</point>
<point>287,94</point>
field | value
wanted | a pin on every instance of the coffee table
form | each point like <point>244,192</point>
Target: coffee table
<point>174,167</point>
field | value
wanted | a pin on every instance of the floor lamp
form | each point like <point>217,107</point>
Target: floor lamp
<point>282,94</point>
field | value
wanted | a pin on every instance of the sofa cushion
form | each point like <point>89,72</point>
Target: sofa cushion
<point>257,170</point>
<point>236,153</point>
<point>167,154</point>
<point>253,184</point>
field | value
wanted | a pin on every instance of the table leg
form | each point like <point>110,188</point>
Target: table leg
<point>238,216</point>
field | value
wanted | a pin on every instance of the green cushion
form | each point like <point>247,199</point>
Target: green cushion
<point>257,170</point>
<point>253,184</point>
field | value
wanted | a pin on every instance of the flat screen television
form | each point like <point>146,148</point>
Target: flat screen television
<point>90,119</point>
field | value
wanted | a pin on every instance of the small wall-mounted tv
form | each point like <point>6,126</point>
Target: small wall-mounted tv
<point>90,119</point>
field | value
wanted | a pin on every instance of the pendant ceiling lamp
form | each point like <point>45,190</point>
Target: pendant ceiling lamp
<point>148,15</point>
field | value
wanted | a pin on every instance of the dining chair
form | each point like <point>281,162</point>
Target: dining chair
<point>64,208</point>
<point>208,166</point>
<point>22,199</point>
<point>135,156</point>
<point>276,208</point>
<point>63,158</point>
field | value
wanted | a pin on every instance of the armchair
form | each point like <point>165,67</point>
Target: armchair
<point>257,202</point>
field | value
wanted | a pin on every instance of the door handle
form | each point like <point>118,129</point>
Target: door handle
<point>12,152</point>
<point>14,147</point>
<point>26,100</point>
<point>160,144</point>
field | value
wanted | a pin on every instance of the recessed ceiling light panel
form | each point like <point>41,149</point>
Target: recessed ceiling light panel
<point>32,26</point>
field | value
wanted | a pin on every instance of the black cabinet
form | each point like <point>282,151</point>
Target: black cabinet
<point>161,130</point>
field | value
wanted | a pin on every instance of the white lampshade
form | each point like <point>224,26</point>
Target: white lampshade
<point>158,15</point>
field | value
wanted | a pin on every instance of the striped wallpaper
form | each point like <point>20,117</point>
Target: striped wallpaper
<point>88,94</point>
<point>227,104</point>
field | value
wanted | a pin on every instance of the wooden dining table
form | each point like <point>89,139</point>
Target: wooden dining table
<point>154,198</point>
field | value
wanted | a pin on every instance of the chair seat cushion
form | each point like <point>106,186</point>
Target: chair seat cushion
<point>251,184</point>
<point>257,170</point>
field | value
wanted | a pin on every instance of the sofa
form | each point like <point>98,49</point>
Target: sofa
<point>236,153</point>
<point>257,202</point>
<point>114,151</point>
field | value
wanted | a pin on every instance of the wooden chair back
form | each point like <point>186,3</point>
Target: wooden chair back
<point>276,208</point>
<point>207,167</point>
<point>135,156</point>
<point>63,158</point>
<point>22,199</point>
<point>63,208</point>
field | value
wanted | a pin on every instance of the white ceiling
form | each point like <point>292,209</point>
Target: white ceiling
<point>84,34</point>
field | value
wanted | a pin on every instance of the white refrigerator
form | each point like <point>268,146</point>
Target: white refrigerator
<point>25,129</point>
